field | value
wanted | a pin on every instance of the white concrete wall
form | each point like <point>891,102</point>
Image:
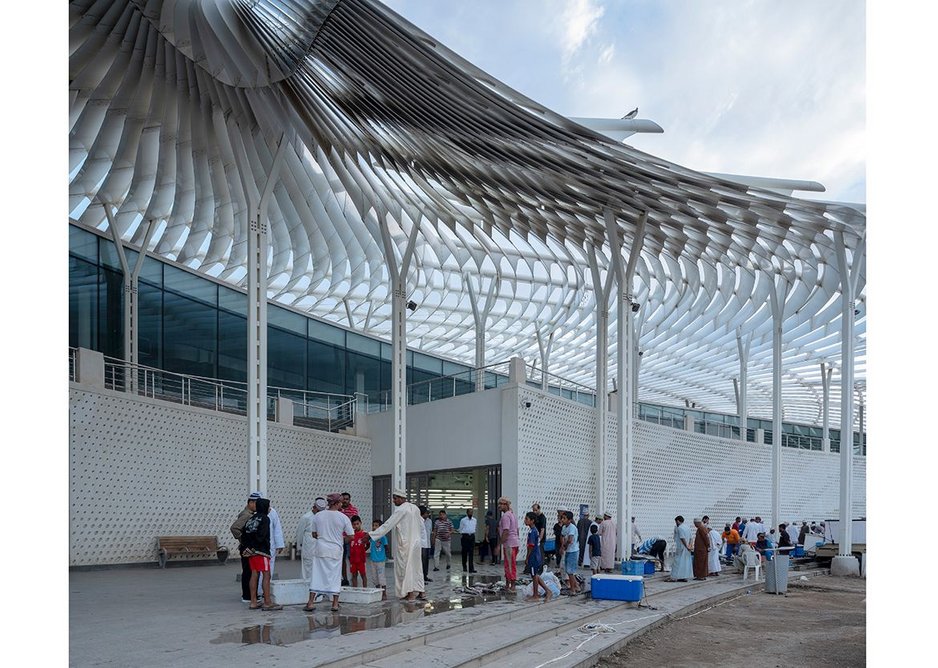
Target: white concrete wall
<point>142,468</point>
<point>675,472</point>
<point>458,432</point>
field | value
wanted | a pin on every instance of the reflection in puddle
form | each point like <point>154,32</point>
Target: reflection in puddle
<point>294,625</point>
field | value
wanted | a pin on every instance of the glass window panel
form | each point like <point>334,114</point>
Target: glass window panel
<point>82,304</point>
<point>365,371</point>
<point>150,326</point>
<point>189,335</point>
<point>453,368</point>
<point>326,333</point>
<point>288,320</point>
<point>286,359</point>
<point>111,313</point>
<point>232,346</point>
<point>234,301</point>
<point>152,271</point>
<point>362,344</point>
<point>325,369</point>
<point>432,365</point>
<point>83,243</point>
<point>386,351</point>
<point>189,285</point>
<point>108,254</point>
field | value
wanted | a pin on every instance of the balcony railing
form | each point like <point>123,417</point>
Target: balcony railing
<point>315,410</point>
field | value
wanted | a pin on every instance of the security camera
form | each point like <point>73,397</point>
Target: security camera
<point>635,307</point>
<point>412,305</point>
<point>527,404</point>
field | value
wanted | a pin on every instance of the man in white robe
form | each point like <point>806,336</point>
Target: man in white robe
<point>305,540</point>
<point>609,538</point>
<point>408,569</point>
<point>331,529</point>
<point>716,545</point>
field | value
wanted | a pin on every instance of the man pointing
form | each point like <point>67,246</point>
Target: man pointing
<point>408,570</point>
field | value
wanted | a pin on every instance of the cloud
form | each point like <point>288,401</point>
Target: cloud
<point>758,87</point>
<point>578,19</point>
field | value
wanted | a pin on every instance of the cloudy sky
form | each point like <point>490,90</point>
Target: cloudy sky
<point>755,87</point>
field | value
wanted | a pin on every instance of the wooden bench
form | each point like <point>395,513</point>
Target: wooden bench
<point>202,546</point>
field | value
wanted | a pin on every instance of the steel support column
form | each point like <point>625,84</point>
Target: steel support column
<point>398,273</point>
<point>602,290</point>
<point>778,294</point>
<point>624,332</point>
<point>742,392</point>
<point>480,314</point>
<point>545,355</point>
<point>130,283</point>
<point>849,279</point>
<point>826,372</point>
<point>258,202</point>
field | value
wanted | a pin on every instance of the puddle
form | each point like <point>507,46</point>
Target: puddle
<point>293,625</point>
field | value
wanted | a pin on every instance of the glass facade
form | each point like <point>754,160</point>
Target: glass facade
<point>192,325</point>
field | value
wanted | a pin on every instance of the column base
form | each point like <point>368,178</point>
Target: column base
<point>845,565</point>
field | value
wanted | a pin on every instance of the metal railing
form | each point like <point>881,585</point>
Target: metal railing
<point>315,410</point>
<point>562,387</point>
<point>318,410</point>
<point>444,387</point>
<point>72,362</point>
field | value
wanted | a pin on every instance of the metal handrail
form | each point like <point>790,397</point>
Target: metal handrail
<point>536,377</point>
<point>318,410</point>
<point>445,387</point>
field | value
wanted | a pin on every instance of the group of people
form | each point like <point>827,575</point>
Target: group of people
<point>337,551</point>
<point>697,552</point>
<point>333,546</point>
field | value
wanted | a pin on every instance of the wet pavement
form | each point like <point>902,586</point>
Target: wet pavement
<point>352,618</point>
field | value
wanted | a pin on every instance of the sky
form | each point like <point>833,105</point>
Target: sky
<point>750,87</point>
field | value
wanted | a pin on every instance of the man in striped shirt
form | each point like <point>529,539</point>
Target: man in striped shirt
<point>443,531</point>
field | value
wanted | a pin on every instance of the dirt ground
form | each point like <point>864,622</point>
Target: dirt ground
<point>821,622</point>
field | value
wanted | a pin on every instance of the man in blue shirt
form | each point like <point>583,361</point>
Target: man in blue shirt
<point>654,547</point>
<point>571,550</point>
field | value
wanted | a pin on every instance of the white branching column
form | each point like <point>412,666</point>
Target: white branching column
<point>826,372</point>
<point>743,344</point>
<point>130,283</point>
<point>624,332</point>
<point>844,563</point>
<point>602,290</point>
<point>778,294</point>
<point>544,348</point>
<point>480,313</point>
<point>258,203</point>
<point>398,271</point>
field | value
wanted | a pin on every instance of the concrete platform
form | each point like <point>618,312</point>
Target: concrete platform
<point>194,615</point>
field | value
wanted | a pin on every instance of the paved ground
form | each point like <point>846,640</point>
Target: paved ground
<point>821,622</point>
<point>193,615</point>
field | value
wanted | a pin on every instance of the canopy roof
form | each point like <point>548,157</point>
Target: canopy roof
<point>387,127</point>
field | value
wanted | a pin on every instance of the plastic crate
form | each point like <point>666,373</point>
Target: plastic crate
<point>290,592</point>
<point>633,568</point>
<point>360,595</point>
<point>617,587</point>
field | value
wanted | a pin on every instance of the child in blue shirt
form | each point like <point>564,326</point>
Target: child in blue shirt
<point>535,558</point>
<point>377,556</point>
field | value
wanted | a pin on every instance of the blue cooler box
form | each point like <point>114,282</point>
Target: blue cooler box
<point>617,587</point>
<point>638,567</point>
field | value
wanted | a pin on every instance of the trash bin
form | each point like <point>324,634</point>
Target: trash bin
<point>776,574</point>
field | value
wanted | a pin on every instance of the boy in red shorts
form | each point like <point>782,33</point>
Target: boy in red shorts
<point>358,551</point>
<point>256,539</point>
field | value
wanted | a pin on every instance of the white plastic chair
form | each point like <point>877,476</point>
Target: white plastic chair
<point>754,561</point>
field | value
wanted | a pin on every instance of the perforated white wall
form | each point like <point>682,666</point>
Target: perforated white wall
<point>141,468</point>
<point>674,472</point>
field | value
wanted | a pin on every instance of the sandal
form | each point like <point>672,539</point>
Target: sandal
<point>275,606</point>
<point>335,608</point>
<point>255,607</point>
<point>308,609</point>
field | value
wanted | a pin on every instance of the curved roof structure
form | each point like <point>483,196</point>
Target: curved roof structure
<point>387,127</point>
